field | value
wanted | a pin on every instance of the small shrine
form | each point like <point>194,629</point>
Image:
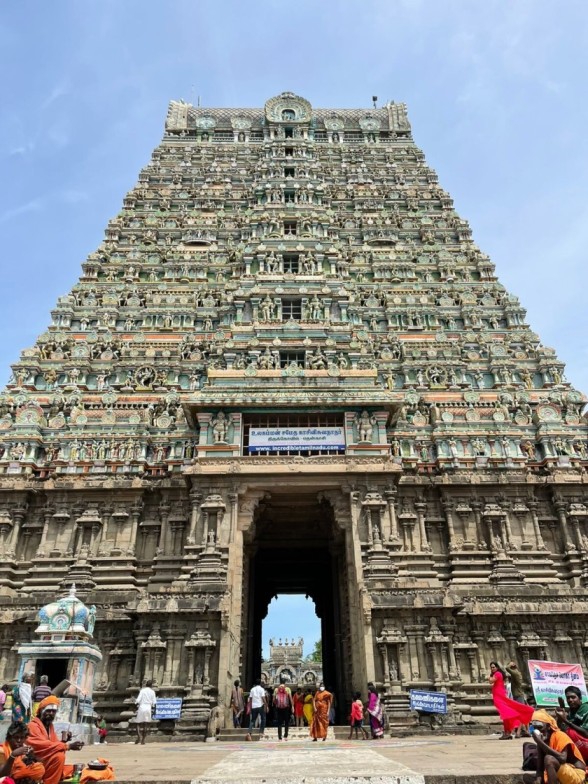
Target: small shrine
<point>64,651</point>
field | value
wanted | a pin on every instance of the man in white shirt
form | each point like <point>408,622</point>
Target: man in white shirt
<point>145,703</point>
<point>258,702</point>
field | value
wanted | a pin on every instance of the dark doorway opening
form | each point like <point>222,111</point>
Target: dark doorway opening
<point>295,547</point>
<point>54,669</point>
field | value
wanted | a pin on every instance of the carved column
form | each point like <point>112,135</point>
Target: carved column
<point>196,500</point>
<point>533,508</point>
<point>18,516</point>
<point>164,510</point>
<point>560,508</point>
<point>477,510</point>
<point>448,507</point>
<point>420,509</point>
<point>135,516</point>
<point>390,495</point>
<point>137,675</point>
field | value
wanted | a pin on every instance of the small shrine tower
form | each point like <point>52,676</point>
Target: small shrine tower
<point>64,651</point>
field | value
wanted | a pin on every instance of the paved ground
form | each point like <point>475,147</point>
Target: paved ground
<point>404,761</point>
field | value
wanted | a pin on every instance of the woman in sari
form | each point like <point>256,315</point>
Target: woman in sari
<point>320,720</point>
<point>508,713</point>
<point>374,709</point>
<point>22,699</point>
<point>308,708</point>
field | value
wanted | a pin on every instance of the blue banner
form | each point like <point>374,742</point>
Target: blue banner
<point>428,701</point>
<point>169,708</point>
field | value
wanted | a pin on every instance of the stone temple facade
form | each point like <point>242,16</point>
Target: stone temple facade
<point>289,369</point>
<point>287,663</point>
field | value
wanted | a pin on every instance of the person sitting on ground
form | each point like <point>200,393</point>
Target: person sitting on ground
<point>43,740</point>
<point>40,692</point>
<point>17,759</point>
<point>558,757</point>
<point>356,717</point>
<point>574,722</point>
<point>145,702</point>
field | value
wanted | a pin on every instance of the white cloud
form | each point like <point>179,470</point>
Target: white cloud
<point>31,206</point>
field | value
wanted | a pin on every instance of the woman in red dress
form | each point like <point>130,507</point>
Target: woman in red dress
<point>298,700</point>
<point>510,718</point>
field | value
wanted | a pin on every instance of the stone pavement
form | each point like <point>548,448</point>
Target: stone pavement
<point>435,760</point>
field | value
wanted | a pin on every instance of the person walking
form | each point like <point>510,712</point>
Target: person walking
<point>258,699</point>
<point>40,692</point>
<point>376,713</point>
<point>518,694</point>
<point>508,713</point>
<point>237,703</point>
<point>308,709</point>
<point>298,702</point>
<point>145,703</point>
<point>22,699</point>
<point>320,719</point>
<point>283,708</point>
<point>356,717</point>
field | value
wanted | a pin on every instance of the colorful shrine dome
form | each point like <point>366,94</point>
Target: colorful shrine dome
<point>67,615</point>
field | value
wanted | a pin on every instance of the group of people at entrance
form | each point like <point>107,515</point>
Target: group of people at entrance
<point>314,710</point>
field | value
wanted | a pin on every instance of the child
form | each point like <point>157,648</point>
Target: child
<point>101,727</point>
<point>357,717</point>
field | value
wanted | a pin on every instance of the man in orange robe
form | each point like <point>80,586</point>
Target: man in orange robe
<point>43,740</point>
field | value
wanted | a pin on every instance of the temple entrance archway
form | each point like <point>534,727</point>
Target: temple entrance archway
<point>296,547</point>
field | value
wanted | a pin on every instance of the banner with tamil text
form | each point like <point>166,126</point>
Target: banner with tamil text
<point>284,439</point>
<point>550,680</point>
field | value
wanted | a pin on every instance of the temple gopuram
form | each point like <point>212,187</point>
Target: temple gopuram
<point>288,368</point>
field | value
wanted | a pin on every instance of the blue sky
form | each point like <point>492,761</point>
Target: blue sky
<point>496,92</point>
<point>279,622</point>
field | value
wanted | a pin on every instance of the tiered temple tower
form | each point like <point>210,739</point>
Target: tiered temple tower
<point>289,368</point>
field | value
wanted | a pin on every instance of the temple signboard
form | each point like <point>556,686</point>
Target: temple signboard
<point>282,439</point>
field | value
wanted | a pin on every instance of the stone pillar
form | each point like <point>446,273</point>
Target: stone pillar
<point>137,675</point>
<point>390,495</point>
<point>477,510</point>
<point>18,516</point>
<point>135,516</point>
<point>420,509</point>
<point>196,500</point>
<point>560,508</point>
<point>448,507</point>
<point>164,510</point>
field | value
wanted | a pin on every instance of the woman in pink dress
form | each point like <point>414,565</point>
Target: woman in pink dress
<point>509,715</point>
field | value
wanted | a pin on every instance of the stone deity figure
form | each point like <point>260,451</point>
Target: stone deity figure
<point>220,426</point>
<point>365,426</point>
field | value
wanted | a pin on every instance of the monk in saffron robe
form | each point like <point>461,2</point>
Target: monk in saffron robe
<point>43,740</point>
<point>16,757</point>
<point>320,720</point>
